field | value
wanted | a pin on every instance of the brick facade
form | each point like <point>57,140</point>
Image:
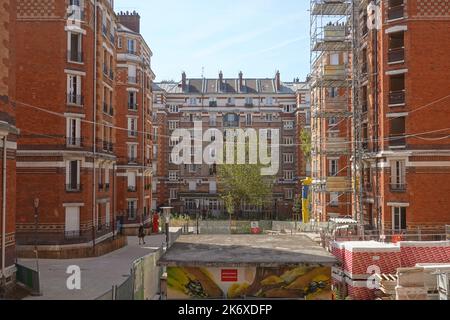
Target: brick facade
<point>8,140</point>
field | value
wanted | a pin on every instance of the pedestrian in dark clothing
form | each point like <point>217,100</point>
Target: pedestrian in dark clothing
<point>141,234</point>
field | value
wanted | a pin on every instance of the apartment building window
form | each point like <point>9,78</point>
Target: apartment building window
<point>397,132</point>
<point>332,122</point>
<point>72,222</point>
<point>398,176</point>
<point>249,102</point>
<point>396,52</point>
<point>397,93</point>
<point>288,141</point>
<point>173,141</point>
<point>193,101</point>
<point>288,175</point>
<point>334,199</point>
<point>132,153</point>
<point>269,101</point>
<point>119,42</point>
<point>230,101</point>
<point>212,119</point>
<point>74,90</point>
<point>212,102</point>
<point>73,132</point>
<point>132,100</point>
<point>132,127</point>
<point>333,167</point>
<point>173,109</point>
<point>333,92</point>
<point>288,194</point>
<point>231,120</point>
<point>173,194</point>
<point>399,222</point>
<point>131,180</point>
<point>289,108</point>
<point>75,50</point>
<point>173,175</point>
<point>173,124</point>
<point>132,209</point>
<point>249,119</point>
<point>131,46</point>
<point>334,59</point>
<point>396,9</point>
<point>288,125</point>
<point>288,158</point>
<point>73,176</point>
<point>132,74</point>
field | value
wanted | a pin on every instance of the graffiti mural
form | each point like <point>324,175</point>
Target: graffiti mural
<point>302,282</point>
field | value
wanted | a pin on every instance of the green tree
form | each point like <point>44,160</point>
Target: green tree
<point>305,143</point>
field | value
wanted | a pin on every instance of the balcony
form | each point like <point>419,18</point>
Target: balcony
<point>132,160</point>
<point>397,97</point>
<point>132,80</point>
<point>132,189</point>
<point>132,106</point>
<point>75,56</point>
<point>73,188</point>
<point>73,142</point>
<point>396,12</point>
<point>398,187</point>
<point>75,99</point>
<point>396,55</point>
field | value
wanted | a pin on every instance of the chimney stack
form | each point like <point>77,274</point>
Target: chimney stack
<point>241,80</point>
<point>278,80</point>
<point>220,80</point>
<point>131,20</point>
<point>183,80</point>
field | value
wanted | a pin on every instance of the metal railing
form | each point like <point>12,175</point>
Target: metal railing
<point>132,189</point>
<point>397,97</point>
<point>398,187</point>
<point>73,187</point>
<point>75,99</point>
<point>75,56</point>
<point>396,12</point>
<point>74,142</point>
<point>396,55</point>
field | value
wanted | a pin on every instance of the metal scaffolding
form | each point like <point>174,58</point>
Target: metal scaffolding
<point>335,127</point>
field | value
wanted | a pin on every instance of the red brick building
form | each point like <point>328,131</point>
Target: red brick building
<point>134,112</point>
<point>406,172</point>
<point>8,141</point>
<point>66,58</point>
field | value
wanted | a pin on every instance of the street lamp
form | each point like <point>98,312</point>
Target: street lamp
<point>166,214</point>
<point>36,223</point>
<point>197,204</point>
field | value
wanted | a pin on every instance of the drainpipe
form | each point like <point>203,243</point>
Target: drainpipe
<point>94,134</point>
<point>144,146</point>
<point>5,139</point>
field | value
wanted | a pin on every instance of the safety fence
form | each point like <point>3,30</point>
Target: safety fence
<point>29,278</point>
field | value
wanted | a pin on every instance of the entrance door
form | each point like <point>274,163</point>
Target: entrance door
<point>72,227</point>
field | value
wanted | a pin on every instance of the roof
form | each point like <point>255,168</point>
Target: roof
<point>245,251</point>
<point>231,86</point>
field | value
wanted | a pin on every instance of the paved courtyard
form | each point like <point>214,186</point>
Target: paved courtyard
<point>98,275</point>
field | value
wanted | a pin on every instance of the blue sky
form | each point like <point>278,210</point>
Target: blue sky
<point>255,36</point>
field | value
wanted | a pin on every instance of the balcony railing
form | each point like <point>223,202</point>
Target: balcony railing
<point>397,140</point>
<point>396,12</point>
<point>398,187</point>
<point>75,56</point>
<point>132,189</point>
<point>132,106</point>
<point>249,104</point>
<point>397,97</point>
<point>74,142</point>
<point>73,187</point>
<point>75,99</point>
<point>396,55</point>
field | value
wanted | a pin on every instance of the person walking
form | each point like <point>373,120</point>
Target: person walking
<point>141,234</point>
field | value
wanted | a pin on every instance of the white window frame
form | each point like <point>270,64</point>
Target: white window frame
<point>288,158</point>
<point>173,175</point>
